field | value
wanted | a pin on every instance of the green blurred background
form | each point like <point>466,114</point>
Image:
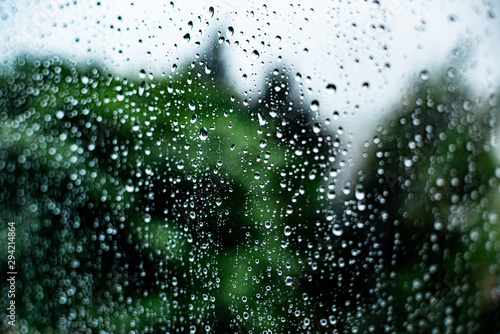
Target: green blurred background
<point>173,204</point>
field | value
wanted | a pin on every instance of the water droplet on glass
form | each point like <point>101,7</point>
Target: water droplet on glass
<point>255,54</point>
<point>262,121</point>
<point>263,143</point>
<point>359,192</point>
<point>203,133</point>
<point>186,38</point>
<point>316,128</point>
<point>337,230</point>
<point>230,32</point>
<point>424,75</point>
<point>331,88</point>
<point>314,105</point>
<point>192,106</point>
<point>180,164</point>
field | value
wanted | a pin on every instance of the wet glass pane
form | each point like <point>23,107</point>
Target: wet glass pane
<point>249,167</point>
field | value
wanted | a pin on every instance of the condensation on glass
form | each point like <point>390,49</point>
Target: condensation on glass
<point>235,167</point>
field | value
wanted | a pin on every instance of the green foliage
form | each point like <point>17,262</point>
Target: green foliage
<point>432,195</point>
<point>149,203</point>
<point>169,203</point>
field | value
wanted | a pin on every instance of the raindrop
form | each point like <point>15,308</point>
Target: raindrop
<point>192,106</point>
<point>262,121</point>
<point>180,164</point>
<point>230,32</point>
<point>424,75</point>
<point>337,230</point>
<point>186,38</point>
<point>203,133</point>
<point>255,54</point>
<point>331,88</point>
<point>263,143</point>
<point>317,128</point>
<point>314,105</point>
<point>359,192</point>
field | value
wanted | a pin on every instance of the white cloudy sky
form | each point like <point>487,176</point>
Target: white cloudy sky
<point>344,42</point>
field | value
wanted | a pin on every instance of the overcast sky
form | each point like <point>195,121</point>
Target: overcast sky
<point>344,43</point>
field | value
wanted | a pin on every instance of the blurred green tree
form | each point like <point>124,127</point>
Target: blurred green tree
<point>428,200</point>
<point>151,203</point>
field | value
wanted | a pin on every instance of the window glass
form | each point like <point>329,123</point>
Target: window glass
<point>249,167</point>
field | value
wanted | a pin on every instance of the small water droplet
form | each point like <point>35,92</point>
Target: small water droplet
<point>288,231</point>
<point>424,75</point>
<point>316,128</point>
<point>331,88</point>
<point>187,38</point>
<point>337,230</point>
<point>230,32</point>
<point>203,133</point>
<point>255,54</point>
<point>180,164</point>
<point>314,105</point>
<point>262,121</point>
<point>192,106</point>
<point>359,192</point>
<point>263,143</point>
<point>365,85</point>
